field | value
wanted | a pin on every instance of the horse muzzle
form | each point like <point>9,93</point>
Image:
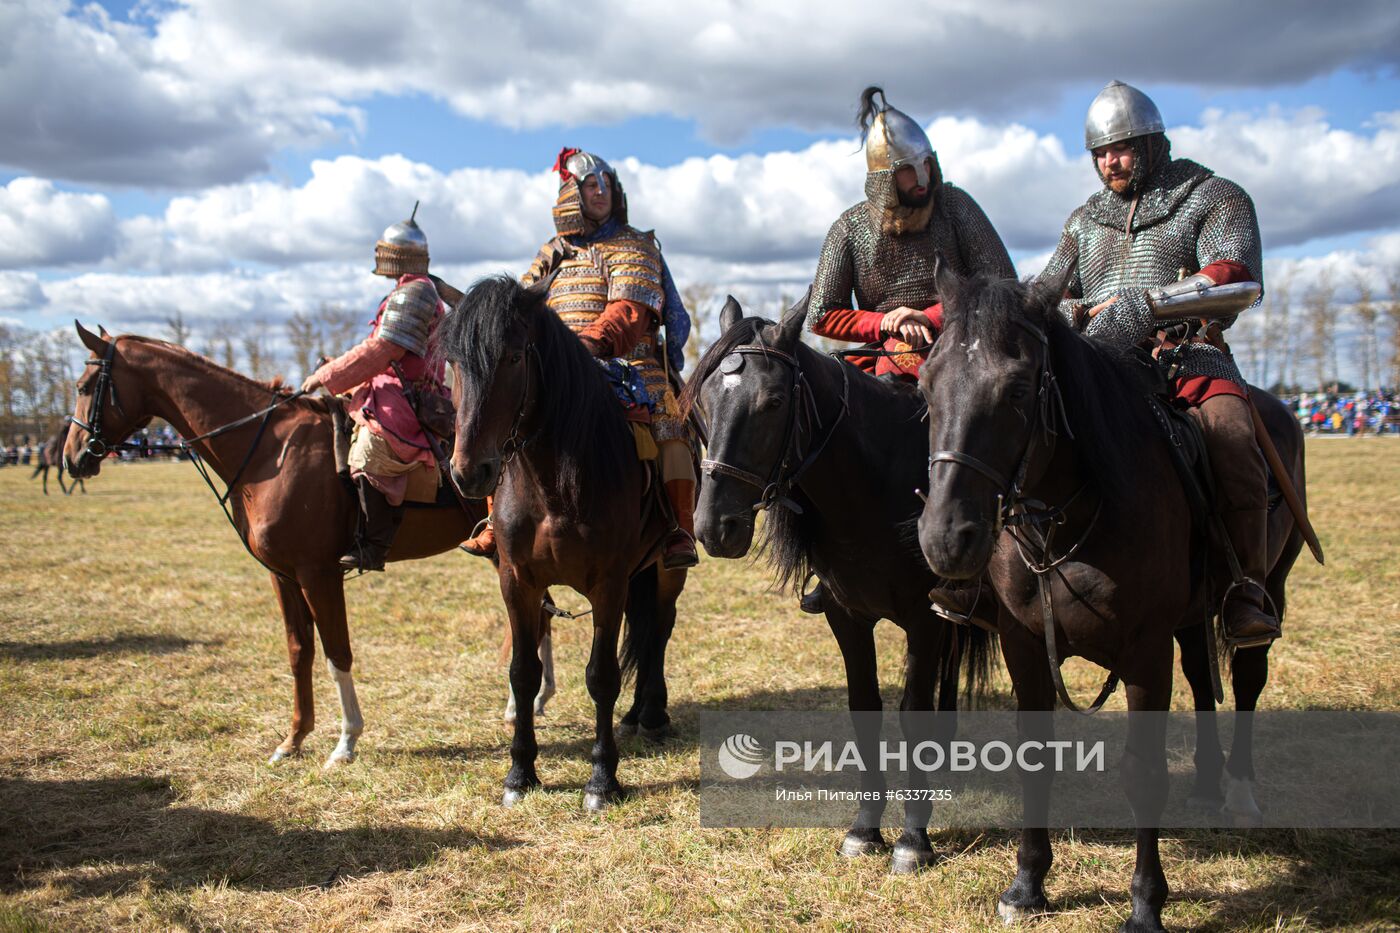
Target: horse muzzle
<point>956,545</point>
<point>479,480</point>
<point>726,536</point>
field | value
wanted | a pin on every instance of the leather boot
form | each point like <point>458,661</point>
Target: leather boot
<point>1249,617</point>
<point>813,601</point>
<point>483,543</point>
<point>381,523</point>
<point>679,550</point>
<point>957,602</point>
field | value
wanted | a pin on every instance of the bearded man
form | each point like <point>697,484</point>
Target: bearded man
<point>389,449</point>
<point>884,249</point>
<point>1162,228</point>
<point>613,289</point>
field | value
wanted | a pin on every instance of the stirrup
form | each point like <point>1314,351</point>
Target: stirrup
<point>1255,641</point>
<point>673,557</point>
<point>480,528</point>
<point>813,601</point>
<point>948,614</point>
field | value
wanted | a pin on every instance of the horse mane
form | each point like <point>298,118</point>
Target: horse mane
<point>1103,387</point>
<point>274,386</point>
<point>578,415</point>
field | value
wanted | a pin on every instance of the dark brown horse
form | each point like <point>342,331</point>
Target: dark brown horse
<point>538,424</point>
<point>286,503</point>
<point>51,457</point>
<point>1030,421</point>
<point>834,456</point>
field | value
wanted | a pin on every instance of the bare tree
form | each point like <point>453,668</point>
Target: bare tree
<point>218,345</point>
<point>302,336</point>
<point>1365,346</point>
<point>699,300</point>
<point>261,361</point>
<point>1392,311</point>
<point>1322,328</point>
<point>179,330</point>
<point>338,329</point>
<point>1279,337</point>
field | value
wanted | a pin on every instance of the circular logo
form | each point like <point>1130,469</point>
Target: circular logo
<point>741,756</point>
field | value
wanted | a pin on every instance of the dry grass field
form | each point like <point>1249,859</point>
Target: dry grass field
<point>144,682</point>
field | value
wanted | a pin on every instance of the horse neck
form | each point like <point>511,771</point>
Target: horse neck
<point>196,397</point>
<point>878,441</point>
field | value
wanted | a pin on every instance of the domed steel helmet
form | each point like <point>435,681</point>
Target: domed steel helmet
<point>575,167</point>
<point>1120,112</point>
<point>402,249</point>
<point>894,139</point>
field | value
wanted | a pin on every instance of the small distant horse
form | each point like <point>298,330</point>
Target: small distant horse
<point>835,456</point>
<point>286,503</point>
<point>51,457</point>
<point>539,425</point>
<point>1027,418</point>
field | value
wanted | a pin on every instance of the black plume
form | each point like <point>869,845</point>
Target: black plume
<point>865,116</point>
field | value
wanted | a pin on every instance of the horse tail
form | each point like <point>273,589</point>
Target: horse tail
<point>641,637</point>
<point>978,649</point>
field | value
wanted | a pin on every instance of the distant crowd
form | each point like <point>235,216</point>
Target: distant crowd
<point>24,449</point>
<point>1347,413</point>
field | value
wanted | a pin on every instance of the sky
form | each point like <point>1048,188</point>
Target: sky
<point>237,159</point>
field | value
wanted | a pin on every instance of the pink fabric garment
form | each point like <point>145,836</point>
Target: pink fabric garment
<point>379,403</point>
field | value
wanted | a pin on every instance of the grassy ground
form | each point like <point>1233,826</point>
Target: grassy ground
<point>143,683</point>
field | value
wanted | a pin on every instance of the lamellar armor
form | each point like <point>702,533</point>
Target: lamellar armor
<point>1185,218</point>
<point>409,314</point>
<point>626,265</point>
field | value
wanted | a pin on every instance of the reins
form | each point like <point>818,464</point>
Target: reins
<point>776,488</point>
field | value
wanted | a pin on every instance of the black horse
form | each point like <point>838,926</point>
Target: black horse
<point>50,456</point>
<point>1024,412</point>
<point>835,455</point>
<point>538,424</point>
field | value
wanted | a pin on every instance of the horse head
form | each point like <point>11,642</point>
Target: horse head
<point>110,405</point>
<point>988,386</point>
<point>748,386</point>
<point>487,340</point>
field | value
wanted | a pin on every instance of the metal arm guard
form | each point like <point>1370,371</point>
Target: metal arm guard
<point>409,314</point>
<point>1196,296</point>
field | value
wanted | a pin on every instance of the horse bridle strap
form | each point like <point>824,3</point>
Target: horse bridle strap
<point>776,487</point>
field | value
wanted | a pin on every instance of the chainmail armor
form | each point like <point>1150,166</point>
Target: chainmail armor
<point>886,272</point>
<point>1186,218</point>
<point>409,314</point>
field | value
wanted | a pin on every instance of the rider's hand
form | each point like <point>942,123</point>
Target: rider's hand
<point>1094,311</point>
<point>916,331</point>
<point>311,384</point>
<point>889,324</point>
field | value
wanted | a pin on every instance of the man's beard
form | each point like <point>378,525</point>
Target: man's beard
<point>909,199</point>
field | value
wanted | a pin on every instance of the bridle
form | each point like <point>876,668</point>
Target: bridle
<point>1025,519</point>
<point>514,443</point>
<point>776,488</point>
<point>103,386</point>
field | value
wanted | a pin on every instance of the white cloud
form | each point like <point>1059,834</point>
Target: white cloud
<point>215,87</point>
<point>42,226</point>
<point>20,291</point>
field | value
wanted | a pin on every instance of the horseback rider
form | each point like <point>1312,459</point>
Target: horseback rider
<point>613,289</point>
<point>389,447</point>
<point>1155,220</point>
<point>885,250</point>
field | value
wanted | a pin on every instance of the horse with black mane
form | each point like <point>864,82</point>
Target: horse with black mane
<point>834,455</point>
<point>51,457</point>
<point>539,426</point>
<point>274,454</point>
<point>1051,474</point>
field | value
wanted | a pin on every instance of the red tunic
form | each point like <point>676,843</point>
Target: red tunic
<point>1193,390</point>
<point>858,326</point>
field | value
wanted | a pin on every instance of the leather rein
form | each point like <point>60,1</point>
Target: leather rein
<point>1025,519</point>
<point>776,488</point>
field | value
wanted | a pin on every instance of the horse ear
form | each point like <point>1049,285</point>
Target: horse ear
<point>945,278</point>
<point>730,314</point>
<point>90,340</point>
<point>1052,289</point>
<point>790,329</point>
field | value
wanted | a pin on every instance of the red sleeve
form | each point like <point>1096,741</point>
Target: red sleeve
<point>935,317</point>
<point>364,362</point>
<point>620,327</point>
<point>1227,271</point>
<point>850,324</point>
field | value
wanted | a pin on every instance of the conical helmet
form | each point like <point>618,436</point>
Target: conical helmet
<point>1120,112</point>
<point>403,248</point>
<point>892,138</point>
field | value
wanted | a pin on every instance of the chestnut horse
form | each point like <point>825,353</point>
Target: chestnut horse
<point>292,513</point>
<point>1036,431</point>
<point>539,425</point>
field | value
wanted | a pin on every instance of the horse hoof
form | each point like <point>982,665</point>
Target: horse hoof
<point>625,729</point>
<point>512,796</point>
<point>856,845</point>
<point>1011,913</point>
<point>658,734</point>
<point>338,760</point>
<point>907,860</point>
<point>282,754</point>
<point>595,802</point>
<point>1137,926</point>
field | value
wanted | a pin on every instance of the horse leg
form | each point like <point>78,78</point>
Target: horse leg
<point>301,652</point>
<point>546,652</point>
<point>651,618</point>
<point>1143,774</point>
<point>42,471</point>
<point>855,636</point>
<point>1026,662</point>
<point>1249,671</point>
<point>913,851</point>
<point>523,606</point>
<point>1210,760</point>
<point>604,677</point>
<point>325,594</point>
